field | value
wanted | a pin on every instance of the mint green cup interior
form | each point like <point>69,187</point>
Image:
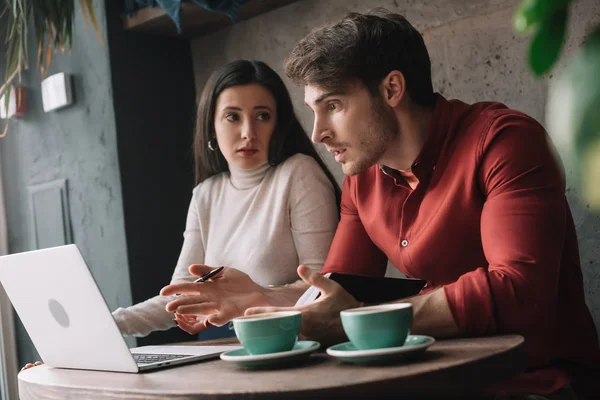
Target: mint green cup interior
<point>268,333</point>
<point>376,327</point>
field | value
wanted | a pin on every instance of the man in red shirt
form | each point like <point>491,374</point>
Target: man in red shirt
<point>469,198</point>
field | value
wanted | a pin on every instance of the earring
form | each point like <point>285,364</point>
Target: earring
<point>212,146</point>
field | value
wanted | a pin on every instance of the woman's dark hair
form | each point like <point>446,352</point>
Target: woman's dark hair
<point>364,48</point>
<point>289,137</point>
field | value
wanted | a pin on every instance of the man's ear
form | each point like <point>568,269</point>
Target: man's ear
<point>393,88</point>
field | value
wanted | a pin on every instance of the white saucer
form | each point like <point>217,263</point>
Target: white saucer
<point>302,349</point>
<point>414,345</point>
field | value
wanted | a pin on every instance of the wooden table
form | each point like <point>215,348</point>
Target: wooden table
<point>449,367</point>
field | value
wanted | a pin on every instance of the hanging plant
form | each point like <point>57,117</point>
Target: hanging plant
<point>53,29</point>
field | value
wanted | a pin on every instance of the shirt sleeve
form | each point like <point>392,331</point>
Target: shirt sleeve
<point>522,233</point>
<point>313,214</point>
<point>143,318</point>
<point>352,251</point>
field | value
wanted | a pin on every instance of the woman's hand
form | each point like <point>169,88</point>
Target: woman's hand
<point>27,366</point>
<point>218,300</point>
<point>192,324</point>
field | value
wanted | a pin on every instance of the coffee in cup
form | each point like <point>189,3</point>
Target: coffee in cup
<point>269,332</point>
<point>375,327</point>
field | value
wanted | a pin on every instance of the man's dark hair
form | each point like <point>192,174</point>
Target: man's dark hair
<point>364,48</point>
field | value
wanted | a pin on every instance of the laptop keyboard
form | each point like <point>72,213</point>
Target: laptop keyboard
<point>152,358</point>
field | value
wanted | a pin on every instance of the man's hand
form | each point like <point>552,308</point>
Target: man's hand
<point>321,319</point>
<point>218,300</point>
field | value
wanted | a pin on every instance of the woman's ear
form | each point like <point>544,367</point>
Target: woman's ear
<point>393,88</point>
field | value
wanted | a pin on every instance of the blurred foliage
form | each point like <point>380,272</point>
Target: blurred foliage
<point>573,109</point>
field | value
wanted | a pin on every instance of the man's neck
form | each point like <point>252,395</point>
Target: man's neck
<point>414,124</point>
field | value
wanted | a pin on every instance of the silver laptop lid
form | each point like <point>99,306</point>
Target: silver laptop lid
<point>63,310</point>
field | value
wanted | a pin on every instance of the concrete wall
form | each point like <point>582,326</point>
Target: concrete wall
<point>475,56</point>
<point>77,143</point>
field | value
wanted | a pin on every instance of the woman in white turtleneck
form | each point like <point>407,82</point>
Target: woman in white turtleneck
<point>264,201</point>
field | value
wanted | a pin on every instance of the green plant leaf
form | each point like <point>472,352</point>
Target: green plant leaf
<point>88,4</point>
<point>548,42</point>
<point>573,119</point>
<point>530,13</point>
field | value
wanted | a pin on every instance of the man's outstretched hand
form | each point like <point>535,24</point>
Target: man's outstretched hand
<point>321,319</point>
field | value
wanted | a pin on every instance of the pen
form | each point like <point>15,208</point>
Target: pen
<point>207,276</point>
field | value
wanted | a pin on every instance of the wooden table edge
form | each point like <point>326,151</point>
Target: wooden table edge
<point>411,386</point>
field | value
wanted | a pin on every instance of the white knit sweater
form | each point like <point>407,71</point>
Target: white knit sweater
<point>264,222</point>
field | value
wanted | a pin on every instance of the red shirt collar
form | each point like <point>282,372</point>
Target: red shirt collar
<point>425,163</point>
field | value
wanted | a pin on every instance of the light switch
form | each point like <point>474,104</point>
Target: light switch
<point>56,91</point>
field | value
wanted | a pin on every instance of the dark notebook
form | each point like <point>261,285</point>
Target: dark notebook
<point>369,289</point>
<point>374,289</point>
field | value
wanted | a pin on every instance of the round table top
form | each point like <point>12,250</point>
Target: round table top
<point>452,366</point>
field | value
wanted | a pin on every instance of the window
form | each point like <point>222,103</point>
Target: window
<point>8,352</point>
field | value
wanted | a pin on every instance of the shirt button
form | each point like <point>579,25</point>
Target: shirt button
<point>404,243</point>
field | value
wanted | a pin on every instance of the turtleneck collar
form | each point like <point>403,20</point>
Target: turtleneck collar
<point>247,178</point>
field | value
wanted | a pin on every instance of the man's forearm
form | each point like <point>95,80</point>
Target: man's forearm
<point>432,315</point>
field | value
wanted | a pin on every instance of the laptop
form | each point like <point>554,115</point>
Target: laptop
<point>68,320</point>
